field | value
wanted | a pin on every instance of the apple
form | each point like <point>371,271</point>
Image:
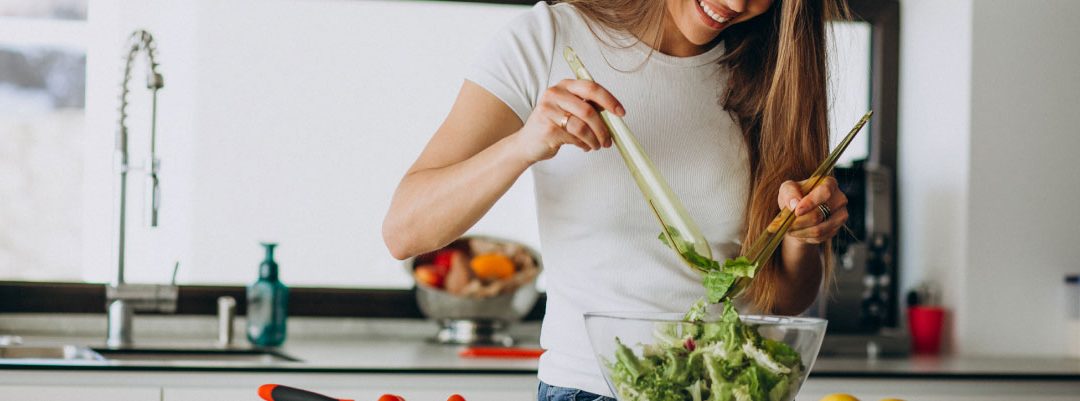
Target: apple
<point>429,275</point>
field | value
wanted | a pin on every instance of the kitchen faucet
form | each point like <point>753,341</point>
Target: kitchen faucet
<point>122,298</point>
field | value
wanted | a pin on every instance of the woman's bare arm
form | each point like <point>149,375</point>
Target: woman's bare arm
<point>478,153</point>
<point>468,164</point>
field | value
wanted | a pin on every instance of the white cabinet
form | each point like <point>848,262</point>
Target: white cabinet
<point>80,393</point>
<point>943,390</point>
<point>362,387</point>
<point>16,385</point>
<point>235,394</point>
<point>28,385</point>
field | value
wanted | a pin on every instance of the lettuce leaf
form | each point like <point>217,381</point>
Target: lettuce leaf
<point>740,267</point>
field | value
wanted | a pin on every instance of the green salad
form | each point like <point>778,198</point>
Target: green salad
<point>723,360</point>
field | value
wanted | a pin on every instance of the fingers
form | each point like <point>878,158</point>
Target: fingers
<point>582,132</point>
<point>584,124</point>
<point>591,127</point>
<point>593,92</point>
<point>820,233</point>
<point>810,224</point>
<point>821,194</point>
<point>814,216</point>
<point>556,134</point>
<point>790,194</point>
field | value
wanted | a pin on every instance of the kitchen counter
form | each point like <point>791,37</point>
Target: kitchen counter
<point>361,355</point>
<point>364,358</point>
<point>380,354</point>
<point>396,346</point>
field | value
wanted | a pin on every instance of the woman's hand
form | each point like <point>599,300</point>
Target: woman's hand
<point>566,116</point>
<point>811,225</point>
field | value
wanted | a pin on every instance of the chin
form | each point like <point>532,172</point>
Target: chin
<point>703,38</point>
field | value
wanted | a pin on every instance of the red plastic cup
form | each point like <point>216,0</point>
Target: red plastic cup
<point>925,323</point>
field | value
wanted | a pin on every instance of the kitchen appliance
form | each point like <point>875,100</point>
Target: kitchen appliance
<point>862,303</point>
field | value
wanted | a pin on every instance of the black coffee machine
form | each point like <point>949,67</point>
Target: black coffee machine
<point>862,303</point>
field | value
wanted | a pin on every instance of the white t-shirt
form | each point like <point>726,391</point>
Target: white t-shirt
<point>598,237</point>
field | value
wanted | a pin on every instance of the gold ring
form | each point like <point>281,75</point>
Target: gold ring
<point>565,120</point>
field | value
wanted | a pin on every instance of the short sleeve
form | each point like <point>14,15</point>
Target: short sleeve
<point>515,64</point>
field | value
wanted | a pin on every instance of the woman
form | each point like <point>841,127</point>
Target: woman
<point>727,97</point>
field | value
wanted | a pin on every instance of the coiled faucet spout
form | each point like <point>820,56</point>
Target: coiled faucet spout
<point>140,42</point>
<point>122,299</point>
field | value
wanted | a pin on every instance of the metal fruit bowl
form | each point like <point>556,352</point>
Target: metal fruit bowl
<point>475,320</point>
<point>642,333</point>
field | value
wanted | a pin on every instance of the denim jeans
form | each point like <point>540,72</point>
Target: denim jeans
<point>553,393</point>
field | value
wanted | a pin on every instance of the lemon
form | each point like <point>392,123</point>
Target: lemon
<point>839,397</point>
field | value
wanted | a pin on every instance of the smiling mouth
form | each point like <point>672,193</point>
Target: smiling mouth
<point>718,16</point>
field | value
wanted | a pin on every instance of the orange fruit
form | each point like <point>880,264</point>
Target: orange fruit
<point>492,266</point>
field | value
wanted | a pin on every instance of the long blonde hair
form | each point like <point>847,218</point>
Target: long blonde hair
<point>776,92</point>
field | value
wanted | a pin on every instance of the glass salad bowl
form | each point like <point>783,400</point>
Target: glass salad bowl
<point>662,357</point>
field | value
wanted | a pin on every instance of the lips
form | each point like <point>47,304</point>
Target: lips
<point>720,10</point>
<point>715,16</point>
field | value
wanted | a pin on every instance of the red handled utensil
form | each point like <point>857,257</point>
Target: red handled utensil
<point>277,392</point>
<point>501,352</point>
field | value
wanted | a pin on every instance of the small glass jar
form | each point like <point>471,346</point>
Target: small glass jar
<point>1072,318</point>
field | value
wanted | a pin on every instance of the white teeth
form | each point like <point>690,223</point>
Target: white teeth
<point>712,13</point>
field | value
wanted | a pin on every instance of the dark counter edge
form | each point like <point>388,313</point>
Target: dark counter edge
<point>49,297</point>
<point>499,371</point>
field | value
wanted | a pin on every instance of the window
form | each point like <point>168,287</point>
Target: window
<point>42,99</point>
<point>849,86</point>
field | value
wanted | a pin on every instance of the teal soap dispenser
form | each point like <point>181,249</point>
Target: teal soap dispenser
<point>267,304</point>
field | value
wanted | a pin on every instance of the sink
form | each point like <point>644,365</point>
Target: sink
<point>77,353</point>
<point>65,352</point>
<point>250,355</point>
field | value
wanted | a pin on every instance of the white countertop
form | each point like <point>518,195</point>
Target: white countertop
<point>418,356</point>
<point>401,347</point>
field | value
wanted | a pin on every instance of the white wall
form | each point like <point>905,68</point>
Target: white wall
<point>989,97</point>
<point>1025,179</point>
<point>933,143</point>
